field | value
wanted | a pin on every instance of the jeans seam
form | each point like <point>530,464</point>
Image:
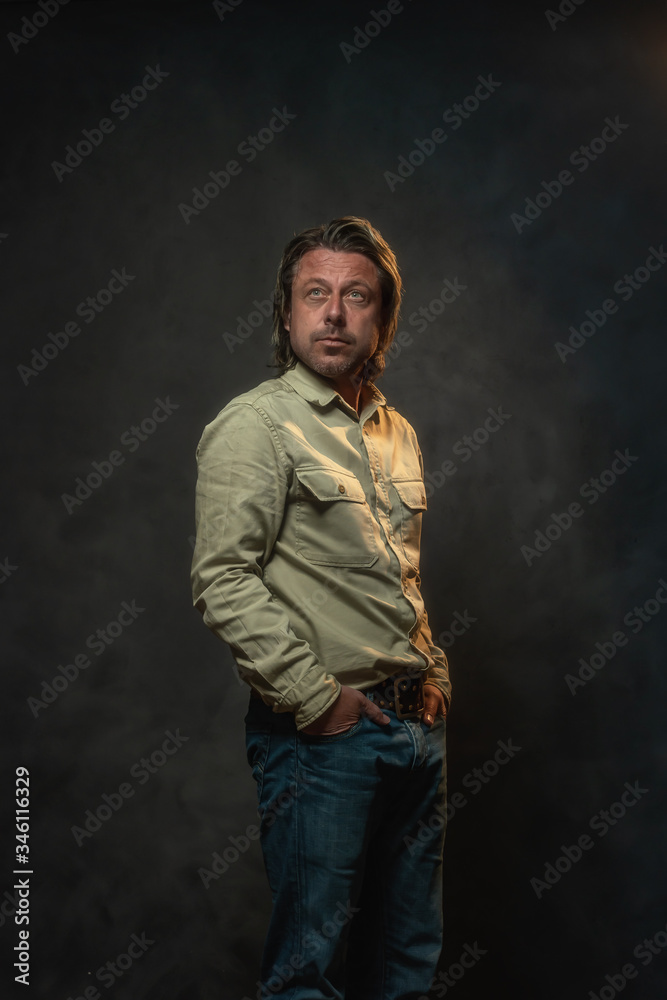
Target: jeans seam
<point>297,842</point>
<point>265,757</point>
<point>383,971</point>
<point>415,748</point>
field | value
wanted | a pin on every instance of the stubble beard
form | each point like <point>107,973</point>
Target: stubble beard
<point>335,366</point>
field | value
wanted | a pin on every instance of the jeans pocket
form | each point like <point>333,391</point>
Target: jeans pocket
<point>336,737</point>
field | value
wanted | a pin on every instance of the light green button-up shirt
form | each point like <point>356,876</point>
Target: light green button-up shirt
<point>307,554</point>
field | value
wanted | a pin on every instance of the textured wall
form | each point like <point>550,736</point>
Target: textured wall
<point>540,202</point>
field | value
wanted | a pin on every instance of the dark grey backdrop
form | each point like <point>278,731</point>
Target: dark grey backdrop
<point>70,564</point>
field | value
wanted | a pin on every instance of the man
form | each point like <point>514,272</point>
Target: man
<point>309,503</point>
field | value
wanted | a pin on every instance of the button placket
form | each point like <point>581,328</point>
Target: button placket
<point>376,473</point>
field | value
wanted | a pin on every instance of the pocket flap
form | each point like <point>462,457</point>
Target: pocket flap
<point>412,492</point>
<point>331,484</point>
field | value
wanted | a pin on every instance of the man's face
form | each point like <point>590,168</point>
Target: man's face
<point>334,316</point>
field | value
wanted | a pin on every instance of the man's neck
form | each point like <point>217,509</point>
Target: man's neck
<point>350,387</point>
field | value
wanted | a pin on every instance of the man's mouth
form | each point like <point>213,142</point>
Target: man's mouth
<point>332,339</point>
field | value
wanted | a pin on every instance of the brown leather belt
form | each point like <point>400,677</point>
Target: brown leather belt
<point>400,693</point>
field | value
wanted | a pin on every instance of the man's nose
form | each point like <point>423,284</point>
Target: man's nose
<point>335,309</point>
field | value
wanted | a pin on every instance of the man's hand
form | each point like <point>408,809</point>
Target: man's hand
<point>345,711</point>
<point>434,704</point>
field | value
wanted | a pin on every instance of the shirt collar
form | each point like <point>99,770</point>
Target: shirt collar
<point>316,389</point>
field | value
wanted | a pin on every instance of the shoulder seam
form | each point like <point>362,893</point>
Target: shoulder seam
<point>274,437</point>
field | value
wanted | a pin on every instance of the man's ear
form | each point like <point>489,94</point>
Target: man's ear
<point>287,317</point>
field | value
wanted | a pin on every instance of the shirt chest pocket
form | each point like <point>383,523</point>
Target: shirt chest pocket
<point>412,496</point>
<point>334,524</point>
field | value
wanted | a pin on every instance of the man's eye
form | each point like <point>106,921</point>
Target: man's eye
<point>315,291</point>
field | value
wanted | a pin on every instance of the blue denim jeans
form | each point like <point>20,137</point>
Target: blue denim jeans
<point>352,832</point>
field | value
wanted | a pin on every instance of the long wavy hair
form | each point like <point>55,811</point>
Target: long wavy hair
<point>348,234</point>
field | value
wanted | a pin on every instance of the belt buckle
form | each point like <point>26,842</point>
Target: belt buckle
<point>419,707</point>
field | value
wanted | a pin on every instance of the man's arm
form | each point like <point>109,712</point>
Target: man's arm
<point>437,684</point>
<point>241,493</point>
<point>438,673</point>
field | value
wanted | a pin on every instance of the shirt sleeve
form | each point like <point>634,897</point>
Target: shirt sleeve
<point>242,488</point>
<point>437,673</point>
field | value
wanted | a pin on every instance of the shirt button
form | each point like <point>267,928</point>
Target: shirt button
<point>341,488</point>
